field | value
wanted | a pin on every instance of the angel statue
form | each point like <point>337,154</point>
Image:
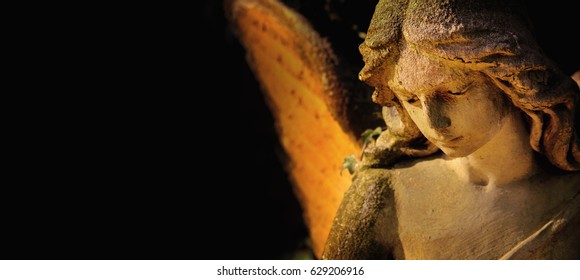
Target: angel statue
<point>480,157</point>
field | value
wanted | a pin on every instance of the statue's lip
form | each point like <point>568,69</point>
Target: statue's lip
<point>447,141</point>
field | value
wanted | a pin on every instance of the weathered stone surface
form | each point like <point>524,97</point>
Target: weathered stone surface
<point>475,85</point>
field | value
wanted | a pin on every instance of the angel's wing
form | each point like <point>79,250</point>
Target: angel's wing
<point>313,108</point>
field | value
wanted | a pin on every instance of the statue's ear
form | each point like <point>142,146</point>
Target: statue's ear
<point>311,104</point>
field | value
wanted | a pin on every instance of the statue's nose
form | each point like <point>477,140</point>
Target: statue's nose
<point>435,112</point>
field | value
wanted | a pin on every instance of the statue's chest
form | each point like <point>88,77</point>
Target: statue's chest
<point>438,218</point>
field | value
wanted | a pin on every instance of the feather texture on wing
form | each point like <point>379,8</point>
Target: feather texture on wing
<point>296,70</point>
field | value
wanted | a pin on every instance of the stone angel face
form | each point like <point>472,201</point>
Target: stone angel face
<point>406,48</point>
<point>456,110</point>
<point>481,131</point>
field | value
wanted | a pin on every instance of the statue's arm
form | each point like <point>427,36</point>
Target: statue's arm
<point>365,226</point>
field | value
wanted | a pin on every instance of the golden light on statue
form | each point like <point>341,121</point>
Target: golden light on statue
<point>480,157</point>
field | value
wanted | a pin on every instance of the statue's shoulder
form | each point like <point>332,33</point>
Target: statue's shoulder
<point>420,170</point>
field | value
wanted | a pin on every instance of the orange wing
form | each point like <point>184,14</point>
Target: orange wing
<point>295,68</point>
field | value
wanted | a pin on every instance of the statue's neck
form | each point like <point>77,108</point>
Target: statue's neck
<point>506,158</point>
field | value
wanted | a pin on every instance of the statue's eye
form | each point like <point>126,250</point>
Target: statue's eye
<point>455,92</point>
<point>460,92</point>
<point>413,100</point>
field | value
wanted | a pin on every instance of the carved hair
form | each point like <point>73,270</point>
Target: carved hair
<point>492,37</point>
